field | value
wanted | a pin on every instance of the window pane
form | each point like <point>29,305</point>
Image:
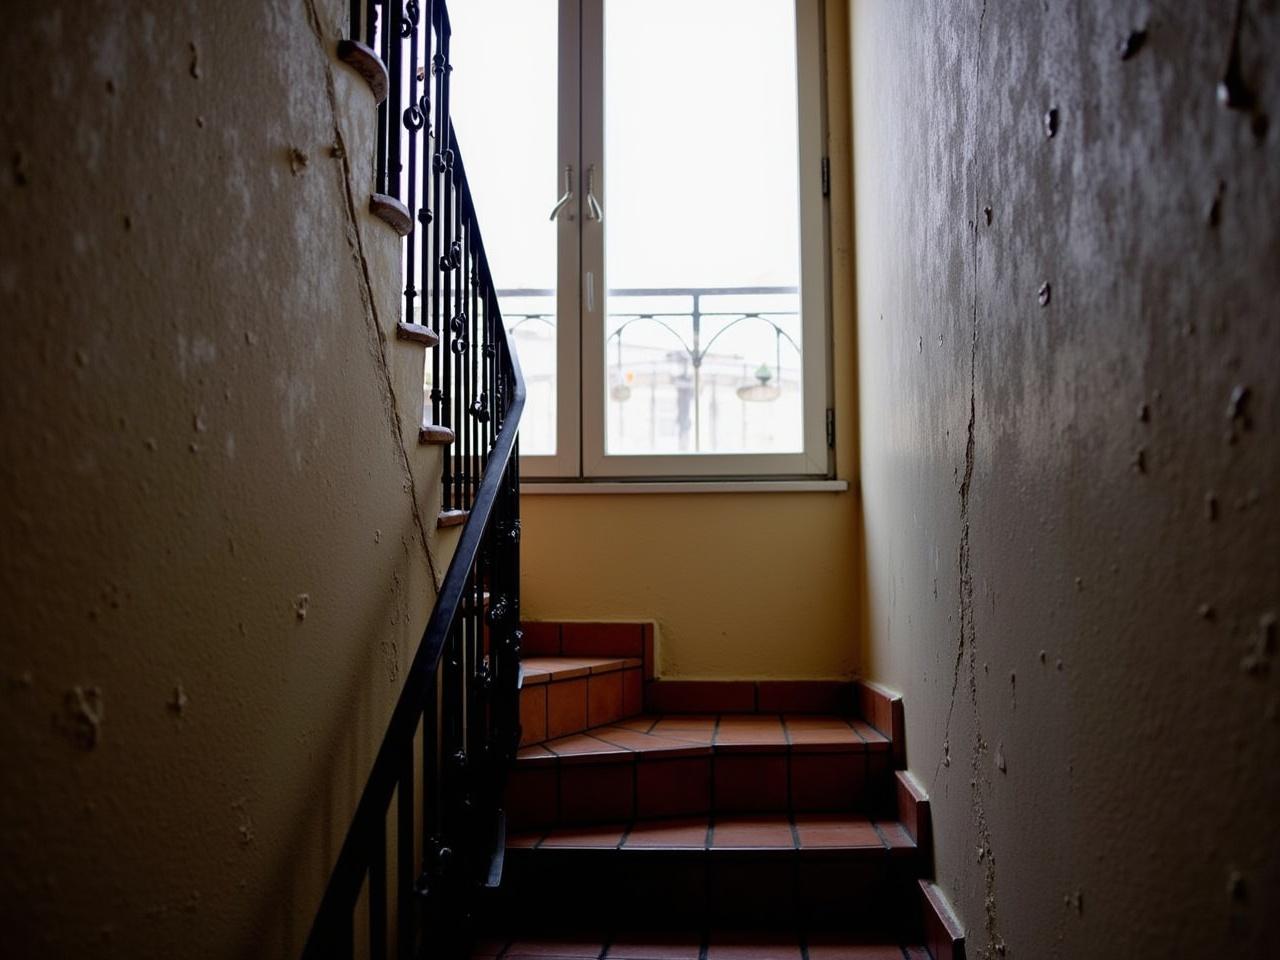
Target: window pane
<point>702,333</point>
<point>509,141</point>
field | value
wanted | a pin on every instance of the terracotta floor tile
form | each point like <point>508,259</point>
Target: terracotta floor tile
<point>566,707</point>
<point>581,745</point>
<point>597,793</point>
<point>582,949</point>
<point>752,833</point>
<point>750,782</point>
<point>604,698</point>
<point>763,947</point>
<point>540,640</point>
<point>827,781</point>
<point>826,731</point>
<point>597,837</point>
<point>533,714</point>
<point>868,733</point>
<point>688,833</point>
<point>836,830</point>
<point>835,950</point>
<point>632,691</point>
<point>673,787</point>
<point>651,745</point>
<point>655,946</point>
<point>685,735</point>
<point>524,840</point>
<point>641,723</point>
<point>600,639</point>
<point>687,721</point>
<point>532,796</point>
<point>739,730</point>
<point>535,756</point>
<point>895,835</point>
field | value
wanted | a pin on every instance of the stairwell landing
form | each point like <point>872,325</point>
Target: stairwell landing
<point>653,819</point>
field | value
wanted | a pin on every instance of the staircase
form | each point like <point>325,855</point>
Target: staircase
<point>659,819</point>
<point>537,791</point>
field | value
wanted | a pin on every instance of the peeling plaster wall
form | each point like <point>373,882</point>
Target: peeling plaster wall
<point>1072,529</point>
<point>213,568</point>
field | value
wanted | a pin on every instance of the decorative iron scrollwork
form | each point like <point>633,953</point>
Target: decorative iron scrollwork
<point>480,408</point>
<point>453,259</point>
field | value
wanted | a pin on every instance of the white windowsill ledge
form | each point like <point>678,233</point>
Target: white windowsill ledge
<point>534,488</point>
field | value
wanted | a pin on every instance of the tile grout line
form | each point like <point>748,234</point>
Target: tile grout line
<point>795,831</point>
<point>786,737</point>
<point>883,840</point>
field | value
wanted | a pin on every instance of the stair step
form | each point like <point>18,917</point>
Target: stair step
<point>417,333</point>
<point>832,872</point>
<point>368,64</point>
<point>392,212</point>
<point>435,434</point>
<point>567,695</point>
<point>692,945</point>
<point>451,518</point>
<point>764,834</point>
<point>690,765</point>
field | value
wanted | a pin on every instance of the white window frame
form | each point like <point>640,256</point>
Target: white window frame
<point>582,278</point>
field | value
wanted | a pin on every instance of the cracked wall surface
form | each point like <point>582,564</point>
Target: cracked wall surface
<point>213,565</point>
<point>1068,337</point>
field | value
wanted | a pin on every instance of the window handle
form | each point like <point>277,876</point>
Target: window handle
<point>568,193</point>
<point>594,210</point>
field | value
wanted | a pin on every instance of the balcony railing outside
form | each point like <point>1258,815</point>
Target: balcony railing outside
<point>675,381</point>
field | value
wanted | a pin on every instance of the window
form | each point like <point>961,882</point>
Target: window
<point>649,178</point>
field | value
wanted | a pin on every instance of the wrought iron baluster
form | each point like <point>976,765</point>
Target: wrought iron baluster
<point>384,48</point>
<point>460,692</point>
<point>393,34</point>
<point>378,888</point>
<point>468,368</point>
<point>406,850</point>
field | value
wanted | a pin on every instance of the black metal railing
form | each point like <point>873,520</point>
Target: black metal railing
<point>428,830</point>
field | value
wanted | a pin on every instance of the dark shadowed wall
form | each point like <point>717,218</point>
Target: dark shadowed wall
<point>1069,348</point>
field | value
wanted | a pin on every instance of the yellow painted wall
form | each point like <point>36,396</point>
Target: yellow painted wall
<point>742,585</point>
<point>213,567</point>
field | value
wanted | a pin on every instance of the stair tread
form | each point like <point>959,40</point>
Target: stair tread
<point>662,736</point>
<point>808,833</point>
<point>693,944</point>
<point>548,669</point>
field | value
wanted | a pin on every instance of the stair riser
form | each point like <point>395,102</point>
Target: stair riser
<point>720,784</point>
<point>694,888</point>
<point>565,707</point>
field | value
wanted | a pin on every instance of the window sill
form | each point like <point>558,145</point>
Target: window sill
<point>588,487</point>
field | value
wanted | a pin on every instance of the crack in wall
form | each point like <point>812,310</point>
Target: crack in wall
<point>377,342</point>
<point>966,640</point>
